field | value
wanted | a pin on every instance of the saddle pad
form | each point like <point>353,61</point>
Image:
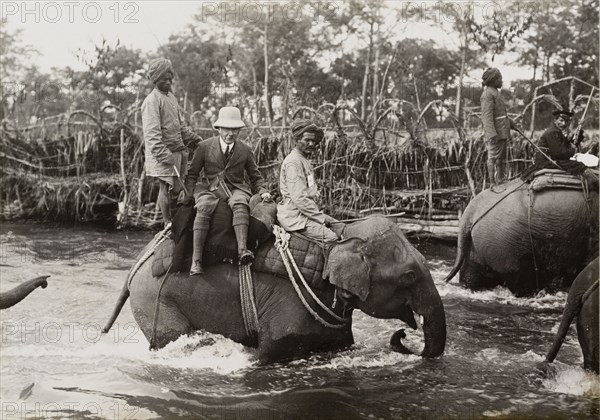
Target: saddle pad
<point>309,257</point>
<point>163,256</point>
<point>221,243</point>
<point>556,179</point>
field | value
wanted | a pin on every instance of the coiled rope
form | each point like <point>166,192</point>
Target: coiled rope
<point>249,313</point>
<point>282,245</point>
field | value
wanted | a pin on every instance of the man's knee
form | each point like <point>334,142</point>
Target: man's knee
<point>329,236</point>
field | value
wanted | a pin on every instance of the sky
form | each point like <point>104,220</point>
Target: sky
<point>58,29</point>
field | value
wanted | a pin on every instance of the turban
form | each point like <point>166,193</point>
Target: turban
<point>491,76</point>
<point>566,113</point>
<point>302,126</point>
<point>158,68</point>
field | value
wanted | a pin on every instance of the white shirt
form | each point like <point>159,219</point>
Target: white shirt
<point>224,146</point>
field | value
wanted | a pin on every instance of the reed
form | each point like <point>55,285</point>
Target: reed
<point>82,168</point>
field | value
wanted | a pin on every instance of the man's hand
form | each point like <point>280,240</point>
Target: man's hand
<point>169,160</point>
<point>185,199</point>
<point>265,196</point>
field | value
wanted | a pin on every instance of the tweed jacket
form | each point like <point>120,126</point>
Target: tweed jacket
<point>493,114</point>
<point>209,159</point>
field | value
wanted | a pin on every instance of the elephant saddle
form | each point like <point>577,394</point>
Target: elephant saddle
<point>221,245</point>
<point>554,178</point>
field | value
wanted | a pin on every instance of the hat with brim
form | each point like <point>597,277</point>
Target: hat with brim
<point>229,117</point>
<point>561,112</point>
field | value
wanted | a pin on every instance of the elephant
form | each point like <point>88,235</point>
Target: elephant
<point>374,269</point>
<point>582,303</point>
<point>526,240</point>
<point>14,296</point>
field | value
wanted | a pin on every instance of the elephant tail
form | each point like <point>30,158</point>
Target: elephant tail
<point>464,243</point>
<point>120,303</point>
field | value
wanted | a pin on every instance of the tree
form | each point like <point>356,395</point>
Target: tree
<point>113,76</point>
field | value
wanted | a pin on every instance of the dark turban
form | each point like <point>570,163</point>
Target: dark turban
<point>566,113</point>
<point>491,77</point>
<point>158,68</point>
<point>301,126</point>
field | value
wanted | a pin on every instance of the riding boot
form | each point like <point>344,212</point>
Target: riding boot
<point>201,226</point>
<point>241,234</point>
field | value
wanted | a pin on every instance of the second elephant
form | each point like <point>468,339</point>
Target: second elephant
<point>526,240</point>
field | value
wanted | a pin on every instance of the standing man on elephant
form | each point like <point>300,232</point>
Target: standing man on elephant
<point>164,135</point>
<point>496,124</point>
<point>224,161</point>
<point>298,210</point>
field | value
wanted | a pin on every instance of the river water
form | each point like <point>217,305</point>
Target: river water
<point>55,363</point>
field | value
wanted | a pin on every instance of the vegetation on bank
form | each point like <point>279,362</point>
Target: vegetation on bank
<point>400,113</point>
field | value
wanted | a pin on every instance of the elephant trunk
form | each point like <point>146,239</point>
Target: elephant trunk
<point>427,303</point>
<point>19,293</point>
<point>572,309</point>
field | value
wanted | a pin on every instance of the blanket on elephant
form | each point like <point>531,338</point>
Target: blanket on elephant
<point>308,255</point>
<point>221,243</point>
<point>554,178</point>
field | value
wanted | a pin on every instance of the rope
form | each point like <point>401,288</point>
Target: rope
<point>307,287</point>
<point>159,238</point>
<point>496,203</point>
<point>249,313</point>
<point>281,244</point>
<point>155,321</point>
<point>529,212</point>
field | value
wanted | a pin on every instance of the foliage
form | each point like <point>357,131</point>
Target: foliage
<point>113,76</point>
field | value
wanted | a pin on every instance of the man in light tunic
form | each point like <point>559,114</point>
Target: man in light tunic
<point>298,210</point>
<point>164,134</point>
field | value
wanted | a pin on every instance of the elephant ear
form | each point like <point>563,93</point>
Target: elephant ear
<point>347,267</point>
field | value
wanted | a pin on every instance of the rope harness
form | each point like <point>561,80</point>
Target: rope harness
<point>282,239</point>
<point>158,239</point>
<point>156,306</point>
<point>249,313</point>
<point>529,213</point>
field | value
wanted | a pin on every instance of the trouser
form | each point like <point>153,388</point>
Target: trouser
<point>318,232</point>
<point>496,150</point>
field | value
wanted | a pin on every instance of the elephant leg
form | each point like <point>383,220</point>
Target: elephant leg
<point>526,282</point>
<point>299,336</point>
<point>170,325</point>
<point>471,276</point>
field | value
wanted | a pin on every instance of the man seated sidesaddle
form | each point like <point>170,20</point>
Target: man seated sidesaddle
<point>224,161</point>
<point>557,144</point>
<point>298,210</point>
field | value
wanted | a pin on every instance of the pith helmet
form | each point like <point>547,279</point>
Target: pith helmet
<point>229,117</point>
